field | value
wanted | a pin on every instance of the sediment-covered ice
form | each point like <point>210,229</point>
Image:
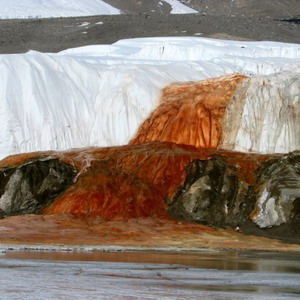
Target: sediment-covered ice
<point>264,115</point>
<point>99,95</point>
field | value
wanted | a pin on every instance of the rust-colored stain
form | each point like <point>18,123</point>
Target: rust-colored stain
<point>190,113</point>
<point>66,229</point>
<point>134,181</point>
<point>119,196</point>
<point>125,182</point>
<point>119,183</point>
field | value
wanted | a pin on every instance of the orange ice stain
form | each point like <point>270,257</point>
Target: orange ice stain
<point>136,180</point>
<point>190,113</point>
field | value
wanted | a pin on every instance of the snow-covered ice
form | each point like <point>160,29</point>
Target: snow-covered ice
<point>99,95</point>
<point>15,9</point>
<point>179,8</point>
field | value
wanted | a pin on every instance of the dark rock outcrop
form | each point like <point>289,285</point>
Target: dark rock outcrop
<point>278,191</point>
<point>31,186</point>
<point>214,194</point>
<point>221,189</point>
<point>211,194</point>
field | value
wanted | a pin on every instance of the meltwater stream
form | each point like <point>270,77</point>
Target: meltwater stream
<point>149,275</point>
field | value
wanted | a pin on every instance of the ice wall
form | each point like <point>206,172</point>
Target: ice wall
<point>100,95</point>
<point>264,115</point>
<point>191,113</point>
<point>14,9</point>
<point>53,102</point>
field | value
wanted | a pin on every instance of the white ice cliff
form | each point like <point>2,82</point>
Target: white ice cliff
<point>15,9</point>
<point>264,114</point>
<point>99,95</point>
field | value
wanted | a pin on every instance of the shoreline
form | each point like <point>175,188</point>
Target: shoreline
<point>51,248</point>
<point>90,249</point>
<point>65,232</point>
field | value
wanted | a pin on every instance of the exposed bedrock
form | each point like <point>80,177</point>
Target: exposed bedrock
<point>134,181</point>
<point>278,191</point>
<point>214,193</point>
<point>211,194</point>
<point>31,186</point>
<point>218,188</point>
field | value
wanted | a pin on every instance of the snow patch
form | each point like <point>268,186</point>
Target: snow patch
<point>84,24</point>
<point>179,8</point>
<point>24,9</point>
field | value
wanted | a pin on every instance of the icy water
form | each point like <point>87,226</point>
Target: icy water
<point>146,275</point>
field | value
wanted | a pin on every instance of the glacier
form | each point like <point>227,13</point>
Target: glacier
<point>20,9</point>
<point>99,95</point>
<point>264,114</point>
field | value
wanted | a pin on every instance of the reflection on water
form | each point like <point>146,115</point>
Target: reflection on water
<point>149,275</point>
<point>225,260</point>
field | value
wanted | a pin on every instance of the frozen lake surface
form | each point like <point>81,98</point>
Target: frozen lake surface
<point>142,275</point>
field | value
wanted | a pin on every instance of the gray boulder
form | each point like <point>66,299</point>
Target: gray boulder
<point>212,194</point>
<point>33,185</point>
<point>277,191</point>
